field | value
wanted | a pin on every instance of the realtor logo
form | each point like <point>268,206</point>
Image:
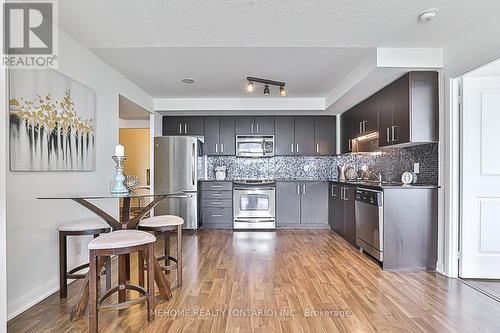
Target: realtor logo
<point>30,34</point>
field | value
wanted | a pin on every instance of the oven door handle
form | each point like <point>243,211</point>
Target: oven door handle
<point>256,220</point>
<point>254,189</point>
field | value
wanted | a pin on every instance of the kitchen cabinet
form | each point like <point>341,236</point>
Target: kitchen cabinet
<point>342,217</point>
<point>302,204</point>
<point>336,209</point>
<point>314,203</point>
<point>304,135</point>
<point>261,125</point>
<point>284,138</point>
<point>219,136</point>
<point>217,204</point>
<point>403,113</point>
<point>189,125</point>
<point>325,141</point>
<point>288,202</point>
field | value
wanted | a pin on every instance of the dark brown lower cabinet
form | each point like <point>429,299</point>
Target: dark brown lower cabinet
<point>341,211</point>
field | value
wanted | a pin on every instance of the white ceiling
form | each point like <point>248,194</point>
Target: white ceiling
<point>221,72</point>
<point>320,48</point>
<point>358,23</point>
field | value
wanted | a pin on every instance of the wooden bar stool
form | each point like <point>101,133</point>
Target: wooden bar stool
<point>165,224</point>
<point>119,243</point>
<point>93,227</point>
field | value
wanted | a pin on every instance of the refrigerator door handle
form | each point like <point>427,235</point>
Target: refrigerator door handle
<point>193,171</point>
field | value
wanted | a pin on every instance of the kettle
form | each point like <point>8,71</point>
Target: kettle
<point>220,172</point>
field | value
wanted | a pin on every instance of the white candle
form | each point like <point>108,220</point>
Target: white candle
<point>119,150</point>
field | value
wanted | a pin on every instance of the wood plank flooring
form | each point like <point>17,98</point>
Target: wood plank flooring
<point>286,281</point>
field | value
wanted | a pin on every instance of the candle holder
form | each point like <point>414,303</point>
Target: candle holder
<point>118,187</point>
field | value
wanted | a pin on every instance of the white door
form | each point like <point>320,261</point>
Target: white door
<point>480,178</point>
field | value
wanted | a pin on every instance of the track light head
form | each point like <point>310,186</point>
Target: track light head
<point>266,90</point>
<point>250,86</point>
<point>282,91</point>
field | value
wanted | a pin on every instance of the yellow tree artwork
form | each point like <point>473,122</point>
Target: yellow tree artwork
<point>52,122</point>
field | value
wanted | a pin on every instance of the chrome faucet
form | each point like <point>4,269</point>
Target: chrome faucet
<point>378,176</point>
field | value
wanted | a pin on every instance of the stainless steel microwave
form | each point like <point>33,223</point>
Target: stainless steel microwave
<point>255,145</point>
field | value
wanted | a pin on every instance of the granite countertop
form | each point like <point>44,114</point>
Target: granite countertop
<point>366,184</point>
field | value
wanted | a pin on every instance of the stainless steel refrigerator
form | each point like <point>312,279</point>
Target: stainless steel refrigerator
<point>176,170</point>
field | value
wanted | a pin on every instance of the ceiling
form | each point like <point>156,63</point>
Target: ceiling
<point>221,72</point>
<point>320,48</point>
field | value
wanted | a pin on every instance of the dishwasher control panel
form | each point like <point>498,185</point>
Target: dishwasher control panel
<point>369,196</point>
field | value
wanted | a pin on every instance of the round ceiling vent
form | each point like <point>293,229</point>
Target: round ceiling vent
<point>188,81</point>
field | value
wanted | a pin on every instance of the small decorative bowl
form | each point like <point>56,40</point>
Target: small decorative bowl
<point>131,183</point>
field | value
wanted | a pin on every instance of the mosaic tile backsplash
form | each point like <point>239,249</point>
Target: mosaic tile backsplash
<point>391,162</point>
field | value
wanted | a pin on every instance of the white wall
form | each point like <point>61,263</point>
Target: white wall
<point>3,192</point>
<point>32,245</point>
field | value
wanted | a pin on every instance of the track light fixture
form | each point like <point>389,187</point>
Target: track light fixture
<point>266,82</point>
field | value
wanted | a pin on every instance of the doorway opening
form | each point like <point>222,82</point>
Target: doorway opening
<point>479,245</point>
<point>134,135</point>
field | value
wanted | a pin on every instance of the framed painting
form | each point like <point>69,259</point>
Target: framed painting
<point>52,122</point>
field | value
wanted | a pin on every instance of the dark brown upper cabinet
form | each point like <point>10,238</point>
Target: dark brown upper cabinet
<point>219,136</point>
<point>189,125</point>
<point>284,137</point>
<point>403,113</point>
<point>260,125</point>
<point>325,141</point>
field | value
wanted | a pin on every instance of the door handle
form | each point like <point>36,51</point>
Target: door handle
<point>252,128</point>
<point>216,186</point>
<point>291,148</point>
<point>333,191</point>
<point>257,128</point>
<point>360,127</point>
<point>216,148</point>
<point>222,148</point>
<point>216,215</point>
<point>298,189</point>
<point>394,135</point>
<point>216,203</point>
<point>304,189</point>
<point>296,147</point>
<point>185,128</point>
<point>350,144</point>
<point>317,148</point>
<point>364,125</point>
<point>388,134</point>
<point>193,171</point>
<point>180,128</point>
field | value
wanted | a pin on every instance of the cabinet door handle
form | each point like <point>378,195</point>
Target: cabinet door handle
<point>298,189</point>
<point>364,125</point>
<point>222,148</point>
<point>333,191</point>
<point>216,186</point>
<point>252,128</point>
<point>180,128</point>
<point>291,148</point>
<point>393,134</point>
<point>217,194</point>
<point>216,203</point>
<point>216,215</point>
<point>296,147</point>
<point>317,148</point>
<point>257,128</point>
<point>350,145</point>
<point>360,127</point>
<point>388,134</point>
<point>303,189</point>
<point>185,129</point>
<point>216,148</point>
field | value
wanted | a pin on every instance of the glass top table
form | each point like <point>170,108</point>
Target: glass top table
<point>126,222</point>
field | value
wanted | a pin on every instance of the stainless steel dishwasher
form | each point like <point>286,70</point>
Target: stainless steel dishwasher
<point>369,208</point>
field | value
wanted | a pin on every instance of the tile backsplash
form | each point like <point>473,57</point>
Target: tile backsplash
<point>391,162</point>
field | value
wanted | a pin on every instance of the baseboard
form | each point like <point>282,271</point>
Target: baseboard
<point>24,303</point>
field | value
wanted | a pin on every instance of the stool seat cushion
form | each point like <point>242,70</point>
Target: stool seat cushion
<point>121,238</point>
<point>161,221</point>
<point>83,225</point>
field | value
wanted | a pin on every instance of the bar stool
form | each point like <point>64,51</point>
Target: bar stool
<point>119,243</point>
<point>165,224</point>
<point>93,227</point>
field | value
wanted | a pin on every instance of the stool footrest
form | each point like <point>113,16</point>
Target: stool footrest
<point>122,305</point>
<point>76,276</point>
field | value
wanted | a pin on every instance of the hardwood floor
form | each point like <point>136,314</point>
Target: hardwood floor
<point>286,281</point>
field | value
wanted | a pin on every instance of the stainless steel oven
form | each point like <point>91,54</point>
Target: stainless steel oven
<point>254,205</point>
<point>254,145</point>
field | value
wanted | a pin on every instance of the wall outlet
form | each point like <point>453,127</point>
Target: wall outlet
<point>416,167</point>
<point>78,247</point>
